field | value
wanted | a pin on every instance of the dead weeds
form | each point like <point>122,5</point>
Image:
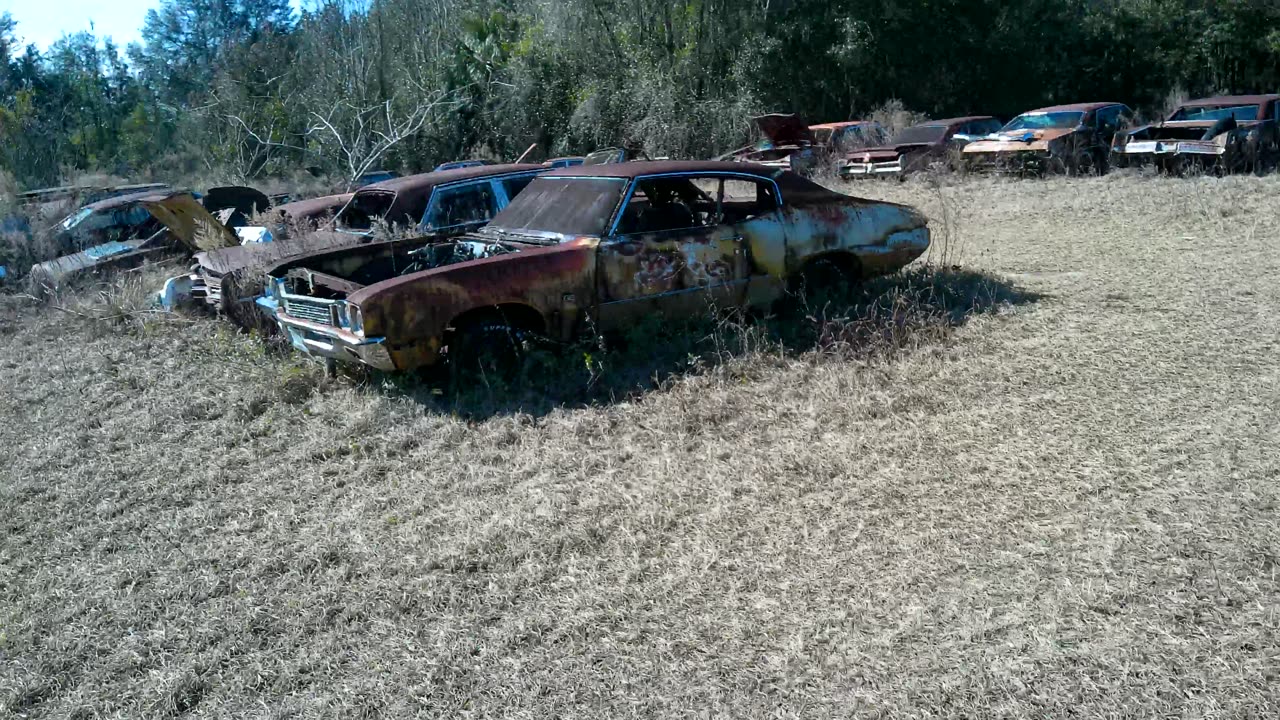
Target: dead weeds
<point>1065,507</point>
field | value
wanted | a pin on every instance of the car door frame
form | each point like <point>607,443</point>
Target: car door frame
<point>615,312</point>
<point>497,191</point>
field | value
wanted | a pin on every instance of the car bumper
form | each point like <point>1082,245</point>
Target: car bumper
<point>334,343</point>
<point>868,169</point>
<point>1008,161</point>
<point>1164,148</point>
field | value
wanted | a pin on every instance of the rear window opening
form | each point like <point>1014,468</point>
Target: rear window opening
<point>365,209</point>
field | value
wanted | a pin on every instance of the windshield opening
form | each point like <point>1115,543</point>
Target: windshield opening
<point>921,134</point>
<point>1213,113</point>
<point>365,209</point>
<point>77,218</point>
<point>1045,121</point>
<point>562,206</point>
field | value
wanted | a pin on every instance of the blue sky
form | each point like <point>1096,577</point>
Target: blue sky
<point>43,21</point>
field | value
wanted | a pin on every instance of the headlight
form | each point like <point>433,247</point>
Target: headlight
<point>356,318</point>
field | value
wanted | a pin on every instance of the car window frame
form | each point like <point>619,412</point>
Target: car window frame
<point>439,191</point>
<point>612,234</point>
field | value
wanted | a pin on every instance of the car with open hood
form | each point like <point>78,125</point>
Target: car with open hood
<point>788,143</point>
<point>126,230</point>
<point>919,146</point>
<point>590,248</point>
<point>1231,133</point>
<point>451,202</point>
<point>1072,139</point>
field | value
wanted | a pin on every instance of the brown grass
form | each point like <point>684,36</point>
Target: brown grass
<point>1052,508</point>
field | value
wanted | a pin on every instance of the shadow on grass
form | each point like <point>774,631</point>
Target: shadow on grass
<point>874,321</point>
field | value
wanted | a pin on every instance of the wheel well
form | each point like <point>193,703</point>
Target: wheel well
<point>845,261</point>
<point>513,314</point>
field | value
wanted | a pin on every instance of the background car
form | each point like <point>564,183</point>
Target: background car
<point>1225,134</point>
<point>918,146</point>
<point>1071,139</point>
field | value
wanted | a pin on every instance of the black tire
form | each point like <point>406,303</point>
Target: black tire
<point>490,353</point>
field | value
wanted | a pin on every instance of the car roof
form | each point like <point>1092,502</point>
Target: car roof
<point>955,120</point>
<point>423,181</point>
<point>123,200</point>
<point>1075,107</point>
<point>839,125</point>
<point>315,204</point>
<point>638,168</point>
<point>1221,99</point>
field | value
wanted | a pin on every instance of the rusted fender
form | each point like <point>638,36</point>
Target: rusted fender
<point>419,308</point>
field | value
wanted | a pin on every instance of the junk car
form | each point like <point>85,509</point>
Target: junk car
<point>1222,134</point>
<point>452,202</point>
<point>589,247</point>
<point>789,144</point>
<point>1071,139</point>
<point>427,201</point>
<point>920,146</point>
<point>130,229</point>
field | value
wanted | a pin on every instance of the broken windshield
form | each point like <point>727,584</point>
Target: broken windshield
<point>562,206</point>
<point>1214,113</point>
<point>1045,121</point>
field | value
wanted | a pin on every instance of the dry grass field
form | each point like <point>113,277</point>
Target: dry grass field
<point>1064,504</point>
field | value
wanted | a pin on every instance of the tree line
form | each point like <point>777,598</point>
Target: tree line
<point>247,89</point>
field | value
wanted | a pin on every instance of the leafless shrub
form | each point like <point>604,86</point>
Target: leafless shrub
<point>894,116</point>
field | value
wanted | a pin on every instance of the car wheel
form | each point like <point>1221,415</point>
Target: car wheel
<point>1084,163</point>
<point>824,279</point>
<point>490,353</point>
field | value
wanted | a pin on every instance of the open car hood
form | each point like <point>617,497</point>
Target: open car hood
<point>193,223</point>
<point>784,129</point>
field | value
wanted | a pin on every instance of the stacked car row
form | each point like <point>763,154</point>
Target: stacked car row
<point>1221,134</point>
<point>502,256</point>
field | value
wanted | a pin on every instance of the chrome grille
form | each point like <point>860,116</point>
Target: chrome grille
<point>307,309</point>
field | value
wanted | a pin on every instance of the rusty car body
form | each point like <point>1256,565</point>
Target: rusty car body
<point>301,217</point>
<point>147,226</point>
<point>1072,139</point>
<point>787,143</point>
<point>452,202</point>
<point>1230,133</point>
<point>417,201</point>
<point>590,247</point>
<point>919,147</point>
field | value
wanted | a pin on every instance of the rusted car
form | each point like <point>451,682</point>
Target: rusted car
<point>130,229</point>
<point>1224,134</point>
<point>426,201</point>
<point>594,247</point>
<point>117,218</point>
<point>453,202</point>
<point>791,145</point>
<point>919,147</point>
<point>1072,139</point>
<point>303,216</point>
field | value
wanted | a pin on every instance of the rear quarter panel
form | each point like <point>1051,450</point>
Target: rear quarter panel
<point>867,230</point>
